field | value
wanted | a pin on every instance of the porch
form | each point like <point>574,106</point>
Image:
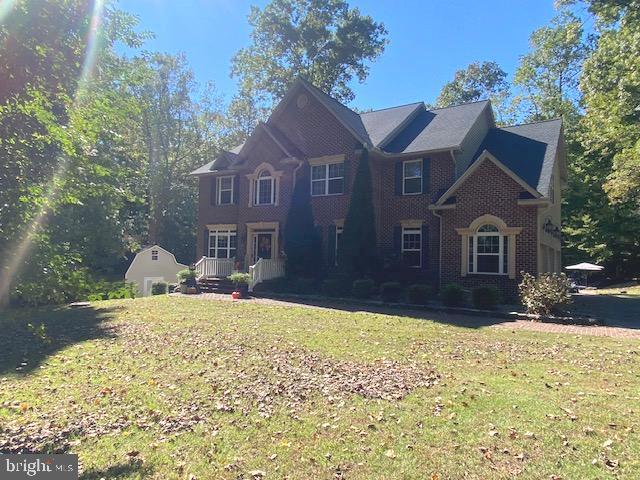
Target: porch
<point>214,271</point>
<point>227,250</point>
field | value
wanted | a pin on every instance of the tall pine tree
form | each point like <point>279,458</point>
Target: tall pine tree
<point>357,252</point>
<point>302,242</point>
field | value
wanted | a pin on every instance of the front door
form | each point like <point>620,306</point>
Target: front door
<point>262,245</point>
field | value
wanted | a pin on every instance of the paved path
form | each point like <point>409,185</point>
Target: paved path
<point>442,317</point>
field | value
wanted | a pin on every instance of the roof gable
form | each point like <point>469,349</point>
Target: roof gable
<point>483,157</point>
<point>529,150</point>
<point>382,125</point>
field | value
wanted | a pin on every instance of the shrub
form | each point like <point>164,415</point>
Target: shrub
<point>546,294</point>
<point>334,287</point>
<point>419,294</point>
<point>302,285</point>
<point>159,288</point>
<point>390,291</point>
<point>186,273</point>
<point>485,297</point>
<point>362,288</point>
<point>452,295</point>
<point>239,278</point>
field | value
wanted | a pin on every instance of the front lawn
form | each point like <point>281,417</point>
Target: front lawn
<point>192,389</point>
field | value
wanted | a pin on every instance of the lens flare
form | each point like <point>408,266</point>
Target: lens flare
<point>5,8</point>
<point>20,252</point>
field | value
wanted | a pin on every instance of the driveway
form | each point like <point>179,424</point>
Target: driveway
<point>611,310</point>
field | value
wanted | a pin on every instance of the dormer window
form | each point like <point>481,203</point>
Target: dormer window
<point>264,189</point>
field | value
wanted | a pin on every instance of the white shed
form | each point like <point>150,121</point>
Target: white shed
<point>152,265</point>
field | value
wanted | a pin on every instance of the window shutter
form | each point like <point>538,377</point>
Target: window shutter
<point>236,188</point>
<point>213,190</point>
<point>347,175</point>
<point>398,168</point>
<point>331,245</point>
<point>397,239</point>
<point>205,244</point>
<point>426,174</point>
<point>425,247</point>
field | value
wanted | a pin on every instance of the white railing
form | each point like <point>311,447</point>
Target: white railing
<point>265,270</point>
<point>214,267</point>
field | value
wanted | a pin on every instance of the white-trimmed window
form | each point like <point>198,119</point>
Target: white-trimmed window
<point>225,190</point>
<point>154,255</point>
<point>327,179</point>
<point>412,177</point>
<point>222,243</point>
<point>265,189</point>
<point>412,247</point>
<point>338,238</point>
<point>488,251</point>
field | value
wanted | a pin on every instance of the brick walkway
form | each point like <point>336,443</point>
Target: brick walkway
<point>453,319</point>
<point>599,331</point>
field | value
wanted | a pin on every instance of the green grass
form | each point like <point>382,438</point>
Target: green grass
<point>628,289</point>
<point>172,388</point>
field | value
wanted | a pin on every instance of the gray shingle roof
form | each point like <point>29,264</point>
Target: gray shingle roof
<point>437,129</point>
<point>381,123</point>
<point>528,150</point>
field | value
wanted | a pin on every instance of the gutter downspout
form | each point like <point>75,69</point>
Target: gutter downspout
<point>439,215</point>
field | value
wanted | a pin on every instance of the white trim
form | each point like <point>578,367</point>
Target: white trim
<point>327,159</point>
<point>275,192</point>
<point>326,179</point>
<point>485,155</point>
<point>412,231</point>
<point>219,189</point>
<point>405,178</point>
<point>228,233</point>
<point>500,254</point>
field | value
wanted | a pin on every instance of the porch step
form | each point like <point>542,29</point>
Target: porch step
<point>216,285</point>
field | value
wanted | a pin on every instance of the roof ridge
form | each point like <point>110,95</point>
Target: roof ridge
<point>389,108</point>
<point>531,123</point>
<point>459,105</point>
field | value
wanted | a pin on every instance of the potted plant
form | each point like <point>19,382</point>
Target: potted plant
<point>241,282</point>
<point>187,279</point>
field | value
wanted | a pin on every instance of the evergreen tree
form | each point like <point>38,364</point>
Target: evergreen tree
<point>357,253</point>
<point>302,242</point>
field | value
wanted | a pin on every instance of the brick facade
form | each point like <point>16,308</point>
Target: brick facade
<point>489,191</point>
<point>315,132</point>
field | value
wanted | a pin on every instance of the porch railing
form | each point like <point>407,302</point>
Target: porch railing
<point>265,270</point>
<point>214,267</point>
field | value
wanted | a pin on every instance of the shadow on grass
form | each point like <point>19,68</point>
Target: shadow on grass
<point>29,336</point>
<point>611,310</point>
<point>449,317</point>
<point>120,470</point>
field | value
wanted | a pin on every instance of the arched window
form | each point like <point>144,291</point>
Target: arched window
<point>264,191</point>
<point>488,251</point>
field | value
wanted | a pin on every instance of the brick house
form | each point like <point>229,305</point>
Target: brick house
<point>456,198</point>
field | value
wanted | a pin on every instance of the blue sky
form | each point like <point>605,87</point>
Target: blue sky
<point>429,39</point>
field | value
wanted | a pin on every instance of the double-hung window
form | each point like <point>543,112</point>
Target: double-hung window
<point>222,243</point>
<point>225,190</point>
<point>327,179</point>
<point>488,251</point>
<point>412,177</point>
<point>412,247</point>
<point>265,189</point>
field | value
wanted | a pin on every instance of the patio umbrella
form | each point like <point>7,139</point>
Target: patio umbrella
<point>585,267</point>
